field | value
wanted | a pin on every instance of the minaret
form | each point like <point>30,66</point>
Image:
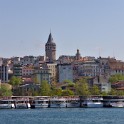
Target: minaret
<point>50,49</point>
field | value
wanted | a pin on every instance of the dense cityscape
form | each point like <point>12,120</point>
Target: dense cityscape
<point>61,61</point>
<point>67,75</point>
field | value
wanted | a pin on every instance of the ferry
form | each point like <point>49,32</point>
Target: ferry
<point>6,104</point>
<point>93,102</point>
<point>117,104</point>
<point>113,101</point>
<point>22,103</point>
<point>40,103</point>
<point>57,102</point>
<point>73,102</point>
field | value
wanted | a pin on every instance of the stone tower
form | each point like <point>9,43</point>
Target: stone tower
<point>50,50</point>
<point>78,55</point>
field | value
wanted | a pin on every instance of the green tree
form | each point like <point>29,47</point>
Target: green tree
<point>56,92</point>
<point>104,93</point>
<point>15,81</point>
<point>68,81</point>
<point>116,77</point>
<point>67,92</point>
<point>5,90</point>
<point>82,87</point>
<point>113,92</point>
<point>45,88</point>
<point>95,90</point>
<point>120,93</point>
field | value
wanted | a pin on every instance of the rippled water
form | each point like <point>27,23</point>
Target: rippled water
<point>63,116</point>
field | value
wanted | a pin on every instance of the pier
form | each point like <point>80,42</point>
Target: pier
<point>25,102</point>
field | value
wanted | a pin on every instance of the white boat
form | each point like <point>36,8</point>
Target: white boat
<point>93,102</point>
<point>7,104</point>
<point>117,104</point>
<point>22,103</point>
<point>73,103</point>
<point>40,103</point>
<point>113,101</point>
<point>57,102</point>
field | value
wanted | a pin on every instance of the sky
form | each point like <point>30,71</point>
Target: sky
<point>95,27</point>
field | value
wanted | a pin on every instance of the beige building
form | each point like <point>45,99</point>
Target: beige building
<point>53,70</point>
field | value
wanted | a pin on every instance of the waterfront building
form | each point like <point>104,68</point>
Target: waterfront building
<point>28,89</point>
<point>83,68</point>
<point>89,68</point>
<point>53,70</point>
<point>41,74</point>
<point>27,60</point>
<point>15,60</point>
<point>17,70</point>
<point>119,85</point>
<point>27,71</point>
<point>65,72</point>
<point>116,66</point>
<point>65,59</point>
<point>4,73</point>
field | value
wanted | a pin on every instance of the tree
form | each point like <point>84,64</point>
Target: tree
<point>120,93</point>
<point>56,92</point>
<point>95,90</point>
<point>113,92</point>
<point>68,81</point>
<point>82,87</point>
<point>104,93</point>
<point>45,88</point>
<point>116,77</point>
<point>5,90</point>
<point>67,92</point>
<point>15,81</point>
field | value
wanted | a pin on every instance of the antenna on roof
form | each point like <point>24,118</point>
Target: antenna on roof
<point>113,54</point>
<point>99,52</point>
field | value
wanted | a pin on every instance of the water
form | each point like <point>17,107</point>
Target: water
<point>63,116</point>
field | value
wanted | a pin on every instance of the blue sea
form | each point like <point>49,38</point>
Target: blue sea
<point>63,116</point>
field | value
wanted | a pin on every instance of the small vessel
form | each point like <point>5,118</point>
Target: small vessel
<point>93,102</point>
<point>40,103</point>
<point>57,102</point>
<point>117,104</point>
<point>113,101</point>
<point>6,104</point>
<point>73,103</point>
<point>22,103</point>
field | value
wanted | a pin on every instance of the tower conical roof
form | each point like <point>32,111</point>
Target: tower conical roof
<point>50,38</point>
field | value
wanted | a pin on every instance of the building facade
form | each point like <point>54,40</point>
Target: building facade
<point>65,72</point>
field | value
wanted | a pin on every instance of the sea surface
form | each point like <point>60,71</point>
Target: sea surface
<point>62,116</point>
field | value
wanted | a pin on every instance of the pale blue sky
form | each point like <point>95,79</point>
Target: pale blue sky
<point>93,26</point>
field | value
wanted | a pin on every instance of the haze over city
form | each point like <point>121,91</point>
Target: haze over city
<point>95,27</point>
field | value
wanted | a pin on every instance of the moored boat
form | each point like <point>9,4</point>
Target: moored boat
<point>57,102</point>
<point>22,103</point>
<point>117,104</point>
<point>113,101</point>
<point>73,102</point>
<point>6,104</point>
<point>40,103</point>
<point>93,102</point>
